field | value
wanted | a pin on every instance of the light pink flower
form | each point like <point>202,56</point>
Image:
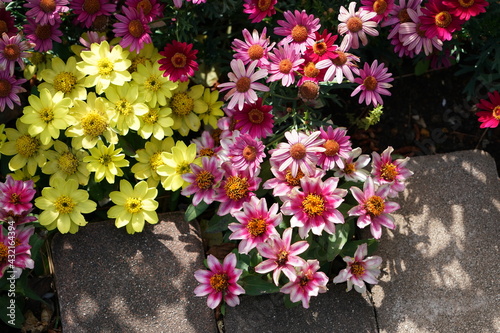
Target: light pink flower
<point>133,28</point>
<point>46,12</point>
<point>345,64</point>
<point>355,26</point>
<point>413,37</point>
<point>220,281</point>
<point>386,171</point>
<point>255,119</point>
<point>243,86</point>
<point>254,47</point>
<point>353,171</point>
<point>373,209</point>
<point>373,82</point>
<point>381,7</point>
<point>283,181</point>
<point>308,282</point>
<point>360,270</point>
<point>22,251</point>
<point>203,180</point>
<point>282,257</point>
<point>16,195</point>
<point>398,14</point>
<point>298,29</point>
<point>205,145</point>
<point>285,61</point>
<point>259,9</point>
<point>337,147</point>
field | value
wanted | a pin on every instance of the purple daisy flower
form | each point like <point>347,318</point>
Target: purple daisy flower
<point>46,12</point>
<point>255,119</point>
<point>133,28</point>
<point>43,35</point>
<point>13,50</point>
<point>10,87</point>
<point>298,29</point>
<point>7,23</point>
<point>88,11</point>
<point>151,9</point>
<point>413,37</point>
<point>373,82</point>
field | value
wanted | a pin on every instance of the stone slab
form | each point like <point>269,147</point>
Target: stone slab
<point>334,311</point>
<point>109,281</point>
<point>441,263</point>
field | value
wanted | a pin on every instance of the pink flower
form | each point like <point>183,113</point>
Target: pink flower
<point>282,257</point>
<point>243,86</point>
<point>88,11</point>
<point>255,119</point>
<point>43,35</point>
<point>315,207</point>
<point>309,282</point>
<point>398,15</point>
<point>22,251</point>
<point>323,47</point>
<point>360,270</point>
<point>283,182</point>
<point>16,195</point>
<point>386,171</point>
<point>133,28</point>
<point>353,171</point>
<point>151,9</point>
<point>310,72</point>
<point>254,47</point>
<point>22,218</point>
<point>9,25</point>
<point>343,65</point>
<point>373,209</point>
<point>10,87</point>
<point>203,180</point>
<point>438,21</point>
<point>256,224</point>
<point>299,153</point>
<point>337,146</point>
<point>464,10</point>
<point>356,25</point>
<point>205,145</point>
<point>46,12</point>
<point>413,37</point>
<point>285,61</point>
<point>259,9</point>
<point>490,117</point>
<point>381,7</point>
<point>220,281</point>
<point>179,61</point>
<point>373,82</point>
<point>298,29</point>
<point>247,153</point>
<point>13,50</point>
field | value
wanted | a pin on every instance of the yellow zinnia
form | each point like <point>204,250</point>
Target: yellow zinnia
<point>176,163</point>
<point>214,111</point>
<point>186,105</point>
<point>150,158</point>
<point>157,122</point>
<point>66,78</point>
<point>106,162</point>
<point>155,87</point>
<point>66,163</point>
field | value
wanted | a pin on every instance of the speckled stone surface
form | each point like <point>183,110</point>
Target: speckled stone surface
<point>109,281</point>
<point>334,311</point>
<point>441,262</point>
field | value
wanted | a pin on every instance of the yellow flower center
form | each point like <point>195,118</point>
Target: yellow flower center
<point>357,269</point>
<point>14,198</point>
<point>293,181</point>
<point>310,70</point>
<point>370,83</point>
<point>64,204</point>
<point>145,6</point>
<point>91,6</point>
<point>388,172</point>
<point>349,168</point>
<point>124,107</point>
<point>135,62</point>
<point>243,84</point>
<point>332,147</point>
<point>183,168</point>
<point>204,180</point>
<point>341,59</point>
<point>104,67</point>
<point>285,66</point>
<point>319,47</point>
<point>250,153</point>
<point>219,282</point>
<point>299,33</point>
<point>236,188</point>
<point>255,52</point>
<point>313,205</point>
<point>3,27</point>
<point>496,112</point>
<point>282,258</point>
<point>379,7</point>
<point>263,5</point>
<point>403,16</point>
<point>256,227</point>
<point>182,104</point>
<point>68,163</point>
<point>179,60</point>
<point>152,116</point>
<point>5,88</point>
<point>206,152</point>
<point>105,159</point>
<point>46,115</point>
<point>152,83</point>
<point>94,124</point>
<point>135,28</point>
<point>11,51</point>
<point>443,19</point>
<point>354,24</point>
<point>298,151</point>
<point>466,3</point>
<point>27,146</point>
<point>375,206</point>
<point>48,6</point>
<point>37,58</point>
<point>256,116</point>
<point>133,205</point>
<point>4,253</point>
<point>43,31</point>
<point>65,82</point>
<point>155,160</point>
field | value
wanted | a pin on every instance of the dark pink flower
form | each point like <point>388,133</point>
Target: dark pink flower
<point>133,28</point>
<point>87,11</point>
<point>46,12</point>
<point>43,35</point>
<point>465,9</point>
<point>255,119</point>
<point>10,87</point>
<point>323,47</point>
<point>22,252</point>
<point>259,9</point>
<point>490,117</point>
<point>151,9</point>
<point>381,7</point>
<point>16,195</point>
<point>179,62</point>
<point>8,24</point>
<point>203,180</point>
<point>438,21</point>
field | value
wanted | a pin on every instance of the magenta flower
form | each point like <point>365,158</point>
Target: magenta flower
<point>151,9</point>
<point>259,9</point>
<point>489,115</point>
<point>360,270</point>
<point>256,224</point>
<point>254,47</point>
<point>220,281</point>
<point>282,257</point>
<point>285,61</point>
<point>355,25</point>
<point>88,11</point>
<point>299,153</point>
<point>373,209</point>
<point>8,26</point>
<point>315,207</point>
<point>308,282</point>
<point>243,86</point>
<point>323,47</point>
<point>464,10</point>
<point>381,7</point>
<point>205,145</point>
<point>283,181</point>
<point>16,195</point>
<point>413,37</point>
<point>43,35</point>
<point>203,180</point>
<point>22,218</point>
<point>255,119</point>
<point>309,72</point>
<point>438,21</point>
<point>343,65</point>
<point>247,153</point>
<point>10,87</point>
<point>133,28</point>
<point>46,12</point>
<point>22,251</point>
<point>353,170</point>
<point>298,29</point>
<point>179,61</point>
<point>373,82</point>
<point>13,50</point>
<point>337,147</point>
<point>386,171</point>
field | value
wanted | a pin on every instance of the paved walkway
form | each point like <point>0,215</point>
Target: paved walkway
<point>440,270</point>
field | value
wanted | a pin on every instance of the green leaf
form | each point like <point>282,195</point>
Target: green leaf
<point>193,212</point>
<point>255,285</point>
<point>219,223</point>
<point>421,67</point>
<point>337,241</point>
<point>351,247</point>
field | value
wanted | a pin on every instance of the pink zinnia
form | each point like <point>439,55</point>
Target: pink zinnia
<point>247,153</point>
<point>220,281</point>
<point>285,61</point>
<point>283,182</point>
<point>179,61</point>
<point>373,82</point>
<point>43,35</point>
<point>373,209</point>
<point>465,9</point>
<point>46,12</point>
<point>203,180</point>
<point>243,84</point>
<point>355,26</point>
<point>22,251</point>
<point>281,256</point>
<point>308,282</point>
<point>133,28</point>
<point>256,224</point>
<point>254,47</point>
<point>413,37</point>
<point>337,147</point>
<point>10,87</point>
<point>8,26</point>
<point>151,9</point>
<point>360,270</point>
<point>438,21</point>
<point>24,217</point>
<point>387,171</point>
<point>255,119</point>
<point>88,11</point>
<point>13,50</point>
<point>381,7</point>
<point>16,195</point>
<point>259,9</point>
<point>345,64</point>
<point>315,207</point>
<point>490,117</point>
<point>298,29</point>
<point>323,47</point>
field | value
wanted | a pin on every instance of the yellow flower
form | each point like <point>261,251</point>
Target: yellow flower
<point>150,158</point>
<point>38,61</point>
<point>155,87</point>
<point>3,137</point>
<point>66,78</point>
<point>63,204</point>
<point>106,162</point>
<point>66,163</point>
<point>176,163</point>
<point>104,66</point>
<point>156,122</point>
<point>148,54</point>
<point>128,105</point>
<point>214,111</point>
<point>185,105</point>
<point>47,115</point>
<point>92,120</point>
<point>22,174</point>
<point>134,206</point>
<point>27,149</point>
